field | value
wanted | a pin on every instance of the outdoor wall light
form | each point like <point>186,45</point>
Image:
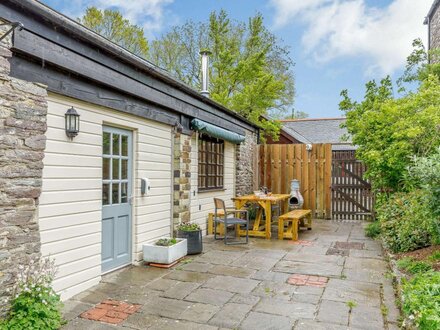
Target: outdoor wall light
<point>72,123</point>
<point>309,147</point>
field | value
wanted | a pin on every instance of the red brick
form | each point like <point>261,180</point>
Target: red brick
<point>105,306</point>
<point>132,309</point>
<point>122,307</point>
<point>323,279</point>
<point>94,314</point>
<point>313,278</point>
<point>111,320</point>
<point>111,302</point>
<point>117,315</point>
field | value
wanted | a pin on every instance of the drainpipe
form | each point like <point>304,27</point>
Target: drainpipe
<point>205,74</point>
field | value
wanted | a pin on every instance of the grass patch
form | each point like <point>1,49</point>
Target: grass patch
<point>411,266</point>
<point>373,229</point>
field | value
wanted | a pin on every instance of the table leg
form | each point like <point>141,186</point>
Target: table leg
<point>268,209</point>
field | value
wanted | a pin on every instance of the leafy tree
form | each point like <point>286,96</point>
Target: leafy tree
<point>250,71</point>
<point>113,26</point>
<point>388,131</point>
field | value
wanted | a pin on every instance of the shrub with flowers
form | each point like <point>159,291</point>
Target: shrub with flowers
<point>34,304</point>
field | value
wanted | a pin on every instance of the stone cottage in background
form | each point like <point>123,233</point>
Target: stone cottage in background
<point>432,20</point>
<point>78,196</point>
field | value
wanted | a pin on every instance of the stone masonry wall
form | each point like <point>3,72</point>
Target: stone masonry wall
<point>434,29</point>
<point>182,179</point>
<point>245,165</point>
<point>23,110</point>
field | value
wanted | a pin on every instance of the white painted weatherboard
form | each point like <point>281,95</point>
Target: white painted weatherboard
<point>70,204</point>
<point>202,203</point>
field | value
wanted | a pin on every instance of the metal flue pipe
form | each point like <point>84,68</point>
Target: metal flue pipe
<point>205,73</point>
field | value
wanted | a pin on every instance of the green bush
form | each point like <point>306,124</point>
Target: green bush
<point>421,300</point>
<point>34,304</point>
<point>412,266</point>
<point>373,229</point>
<point>407,222</point>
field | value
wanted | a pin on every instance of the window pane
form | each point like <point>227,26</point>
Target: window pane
<point>115,144</point>
<point>106,143</point>
<point>106,168</point>
<point>115,169</point>
<point>115,193</point>
<point>105,194</point>
<point>124,169</point>
<point>124,191</point>
<point>124,145</point>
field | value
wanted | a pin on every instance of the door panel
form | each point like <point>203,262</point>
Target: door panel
<point>116,191</point>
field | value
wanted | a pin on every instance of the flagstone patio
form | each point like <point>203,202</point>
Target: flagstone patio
<point>334,278</point>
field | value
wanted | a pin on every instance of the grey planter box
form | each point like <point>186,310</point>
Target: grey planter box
<point>165,254</point>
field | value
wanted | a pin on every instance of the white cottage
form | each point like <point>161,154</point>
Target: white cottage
<point>135,122</point>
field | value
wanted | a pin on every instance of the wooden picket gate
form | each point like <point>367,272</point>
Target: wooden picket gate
<point>278,164</point>
<point>352,197</point>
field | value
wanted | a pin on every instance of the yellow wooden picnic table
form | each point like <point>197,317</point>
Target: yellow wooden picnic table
<point>265,205</point>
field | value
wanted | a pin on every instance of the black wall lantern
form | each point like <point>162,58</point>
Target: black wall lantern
<point>72,123</point>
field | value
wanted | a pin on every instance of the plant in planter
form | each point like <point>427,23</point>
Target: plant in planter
<point>193,234</point>
<point>165,250</point>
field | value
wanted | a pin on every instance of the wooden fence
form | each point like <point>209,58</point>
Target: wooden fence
<point>278,164</point>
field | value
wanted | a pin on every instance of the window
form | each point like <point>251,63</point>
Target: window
<point>211,163</point>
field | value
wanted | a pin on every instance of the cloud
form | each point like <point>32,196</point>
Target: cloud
<point>351,28</point>
<point>149,14</point>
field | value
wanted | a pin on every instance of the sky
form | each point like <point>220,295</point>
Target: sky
<point>335,44</point>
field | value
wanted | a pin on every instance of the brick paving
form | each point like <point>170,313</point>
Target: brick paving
<point>111,311</point>
<point>267,284</point>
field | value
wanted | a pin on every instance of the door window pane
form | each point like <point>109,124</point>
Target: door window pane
<point>124,192</point>
<point>124,169</point>
<point>115,193</point>
<point>106,168</point>
<point>115,169</point>
<point>124,145</point>
<point>105,194</point>
<point>115,144</point>
<point>106,143</point>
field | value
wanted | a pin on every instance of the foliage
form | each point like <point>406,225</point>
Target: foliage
<point>434,257</point>
<point>188,226</point>
<point>420,64</point>
<point>166,241</point>
<point>421,300</point>
<point>424,173</point>
<point>407,223</point>
<point>389,131</point>
<point>34,305</point>
<point>250,70</point>
<point>373,229</point>
<point>412,266</point>
<point>113,26</point>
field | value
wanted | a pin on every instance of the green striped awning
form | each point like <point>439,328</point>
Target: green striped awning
<point>215,131</point>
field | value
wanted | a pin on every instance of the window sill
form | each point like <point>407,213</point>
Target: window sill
<point>201,191</point>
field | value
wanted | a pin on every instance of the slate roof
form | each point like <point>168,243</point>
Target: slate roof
<point>320,130</point>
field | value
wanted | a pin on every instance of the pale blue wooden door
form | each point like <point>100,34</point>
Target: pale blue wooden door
<point>116,197</point>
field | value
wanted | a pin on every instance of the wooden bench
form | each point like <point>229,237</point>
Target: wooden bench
<point>294,217</point>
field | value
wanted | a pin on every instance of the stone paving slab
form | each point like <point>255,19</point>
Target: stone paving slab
<point>230,315</point>
<point>246,287</point>
<point>231,284</point>
<point>294,310</point>
<point>256,320</point>
<point>324,269</point>
<point>210,296</point>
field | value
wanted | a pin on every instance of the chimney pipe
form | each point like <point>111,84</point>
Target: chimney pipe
<point>205,73</point>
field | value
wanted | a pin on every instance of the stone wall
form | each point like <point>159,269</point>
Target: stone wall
<point>434,29</point>
<point>245,165</point>
<point>23,110</point>
<point>182,179</point>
